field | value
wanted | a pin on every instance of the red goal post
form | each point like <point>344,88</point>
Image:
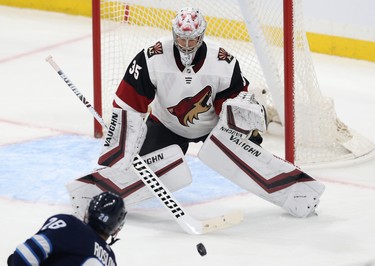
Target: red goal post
<point>282,76</point>
<point>288,80</point>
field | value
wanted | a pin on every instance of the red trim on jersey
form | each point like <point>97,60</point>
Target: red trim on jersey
<point>151,116</point>
<point>218,104</point>
<point>114,104</point>
<point>128,94</point>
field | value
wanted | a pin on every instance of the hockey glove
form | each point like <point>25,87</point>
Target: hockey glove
<point>244,114</point>
<point>124,138</point>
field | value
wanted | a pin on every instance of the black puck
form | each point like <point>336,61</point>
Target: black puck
<point>201,249</point>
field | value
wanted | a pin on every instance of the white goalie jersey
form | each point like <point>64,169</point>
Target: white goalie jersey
<point>187,100</point>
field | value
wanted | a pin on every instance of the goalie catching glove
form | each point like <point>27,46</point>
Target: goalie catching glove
<point>244,114</point>
<point>125,136</point>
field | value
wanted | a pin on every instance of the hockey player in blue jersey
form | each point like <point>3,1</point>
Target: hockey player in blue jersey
<point>65,240</point>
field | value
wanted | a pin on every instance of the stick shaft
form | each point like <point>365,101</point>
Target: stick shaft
<point>75,90</point>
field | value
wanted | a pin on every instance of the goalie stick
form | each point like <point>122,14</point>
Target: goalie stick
<point>189,224</point>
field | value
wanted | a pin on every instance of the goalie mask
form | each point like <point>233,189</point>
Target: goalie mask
<point>106,213</point>
<point>188,29</point>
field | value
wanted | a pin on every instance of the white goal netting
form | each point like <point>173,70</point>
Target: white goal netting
<point>252,31</point>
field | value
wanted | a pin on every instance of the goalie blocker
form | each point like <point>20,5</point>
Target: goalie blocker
<point>253,168</point>
<point>125,136</point>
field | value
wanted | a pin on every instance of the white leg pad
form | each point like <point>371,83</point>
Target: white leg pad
<point>169,165</point>
<point>260,172</point>
<point>80,194</point>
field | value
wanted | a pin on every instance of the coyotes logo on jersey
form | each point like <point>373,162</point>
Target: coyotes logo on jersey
<point>157,48</point>
<point>189,108</point>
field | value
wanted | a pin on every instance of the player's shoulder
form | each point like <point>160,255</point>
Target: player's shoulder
<point>212,44</point>
<point>159,47</point>
<point>58,221</point>
<point>65,227</point>
<point>217,52</point>
<point>67,217</point>
<point>167,41</point>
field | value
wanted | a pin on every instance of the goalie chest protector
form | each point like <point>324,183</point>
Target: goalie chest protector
<point>184,96</point>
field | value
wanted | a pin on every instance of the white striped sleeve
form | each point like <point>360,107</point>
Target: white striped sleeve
<point>43,243</point>
<point>27,254</point>
<point>35,251</point>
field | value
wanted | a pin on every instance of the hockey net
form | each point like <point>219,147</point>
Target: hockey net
<point>320,136</point>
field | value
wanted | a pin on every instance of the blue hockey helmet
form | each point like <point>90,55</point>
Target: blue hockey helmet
<point>106,213</point>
